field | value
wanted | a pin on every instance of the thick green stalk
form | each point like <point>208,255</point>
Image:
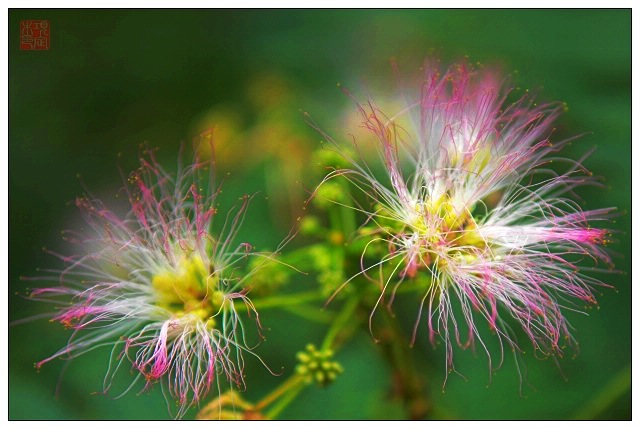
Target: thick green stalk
<point>409,383</point>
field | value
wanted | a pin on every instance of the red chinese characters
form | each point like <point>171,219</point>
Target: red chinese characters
<point>34,35</point>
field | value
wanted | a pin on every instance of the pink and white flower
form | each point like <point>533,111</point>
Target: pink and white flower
<point>158,285</point>
<point>468,199</point>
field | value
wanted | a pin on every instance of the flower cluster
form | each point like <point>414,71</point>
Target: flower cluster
<point>158,285</point>
<point>467,202</point>
<point>469,207</point>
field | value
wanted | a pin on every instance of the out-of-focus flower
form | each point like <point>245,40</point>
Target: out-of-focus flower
<point>267,134</point>
<point>158,284</point>
<point>469,207</point>
<point>222,125</point>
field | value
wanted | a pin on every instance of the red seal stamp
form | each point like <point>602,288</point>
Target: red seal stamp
<point>34,35</point>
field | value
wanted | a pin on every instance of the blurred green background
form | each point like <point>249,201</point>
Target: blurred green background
<point>114,79</point>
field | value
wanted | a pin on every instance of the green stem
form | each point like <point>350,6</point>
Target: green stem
<point>335,220</point>
<point>285,401</point>
<point>410,383</point>
<point>611,392</point>
<point>290,389</point>
<point>340,322</point>
<point>304,297</point>
<point>285,300</point>
<point>310,313</point>
<point>278,392</point>
<point>348,220</point>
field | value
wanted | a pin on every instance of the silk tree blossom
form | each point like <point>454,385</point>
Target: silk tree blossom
<point>158,285</point>
<point>468,205</point>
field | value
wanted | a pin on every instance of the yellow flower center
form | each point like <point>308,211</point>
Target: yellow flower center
<point>444,230</point>
<point>190,289</point>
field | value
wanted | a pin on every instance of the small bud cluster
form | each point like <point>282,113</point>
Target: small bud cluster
<point>317,365</point>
